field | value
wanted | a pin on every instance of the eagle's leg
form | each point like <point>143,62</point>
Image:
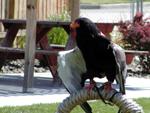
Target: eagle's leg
<point>108,86</point>
<point>91,85</point>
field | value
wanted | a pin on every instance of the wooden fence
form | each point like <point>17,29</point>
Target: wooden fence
<point>16,9</point>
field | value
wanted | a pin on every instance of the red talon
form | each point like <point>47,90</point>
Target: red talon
<point>91,85</point>
<point>107,86</point>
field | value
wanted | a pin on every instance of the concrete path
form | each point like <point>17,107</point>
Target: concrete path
<point>109,13</point>
<point>47,91</point>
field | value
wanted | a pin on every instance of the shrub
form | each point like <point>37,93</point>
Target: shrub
<point>136,34</point>
<point>58,35</point>
<point>137,37</point>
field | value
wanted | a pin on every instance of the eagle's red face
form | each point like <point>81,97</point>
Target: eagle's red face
<point>73,26</point>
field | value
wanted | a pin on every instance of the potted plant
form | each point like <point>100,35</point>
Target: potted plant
<point>136,36</point>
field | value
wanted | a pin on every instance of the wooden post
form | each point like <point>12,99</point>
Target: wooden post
<point>3,5</point>
<point>30,46</point>
<point>9,9</point>
<point>75,9</point>
<point>6,9</point>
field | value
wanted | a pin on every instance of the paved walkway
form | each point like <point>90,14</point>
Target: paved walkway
<point>109,13</point>
<point>47,91</point>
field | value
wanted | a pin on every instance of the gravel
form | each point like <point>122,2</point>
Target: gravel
<point>17,66</point>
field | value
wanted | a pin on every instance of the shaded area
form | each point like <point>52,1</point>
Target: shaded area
<point>12,85</point>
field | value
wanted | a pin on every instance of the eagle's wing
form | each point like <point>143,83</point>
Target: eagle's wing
<point>121,66</point>
<point>70,66</point>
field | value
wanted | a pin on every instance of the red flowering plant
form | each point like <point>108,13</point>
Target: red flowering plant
<point>136,36</point>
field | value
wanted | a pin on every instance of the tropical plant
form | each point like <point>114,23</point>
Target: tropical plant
<point>19,42</point>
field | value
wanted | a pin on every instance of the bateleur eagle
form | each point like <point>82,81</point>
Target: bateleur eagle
<point>102,57</point>
<point>95,56</point>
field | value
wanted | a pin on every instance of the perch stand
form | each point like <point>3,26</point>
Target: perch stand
<point>125,105</point>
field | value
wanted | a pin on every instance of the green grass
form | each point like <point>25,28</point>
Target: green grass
<point>145,103</point>
<point>107,1</point>
<point>97,106</point>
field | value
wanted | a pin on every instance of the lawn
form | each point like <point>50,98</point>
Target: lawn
<point>107,1</point>
<point>98,107</point>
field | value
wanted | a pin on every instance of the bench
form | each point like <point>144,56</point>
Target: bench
<point>43,27</point>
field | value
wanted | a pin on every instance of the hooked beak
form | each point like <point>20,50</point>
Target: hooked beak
<point>73,26</point>
<point>73,33</point>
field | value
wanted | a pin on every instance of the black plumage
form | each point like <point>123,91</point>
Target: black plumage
<point>96,50</point>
